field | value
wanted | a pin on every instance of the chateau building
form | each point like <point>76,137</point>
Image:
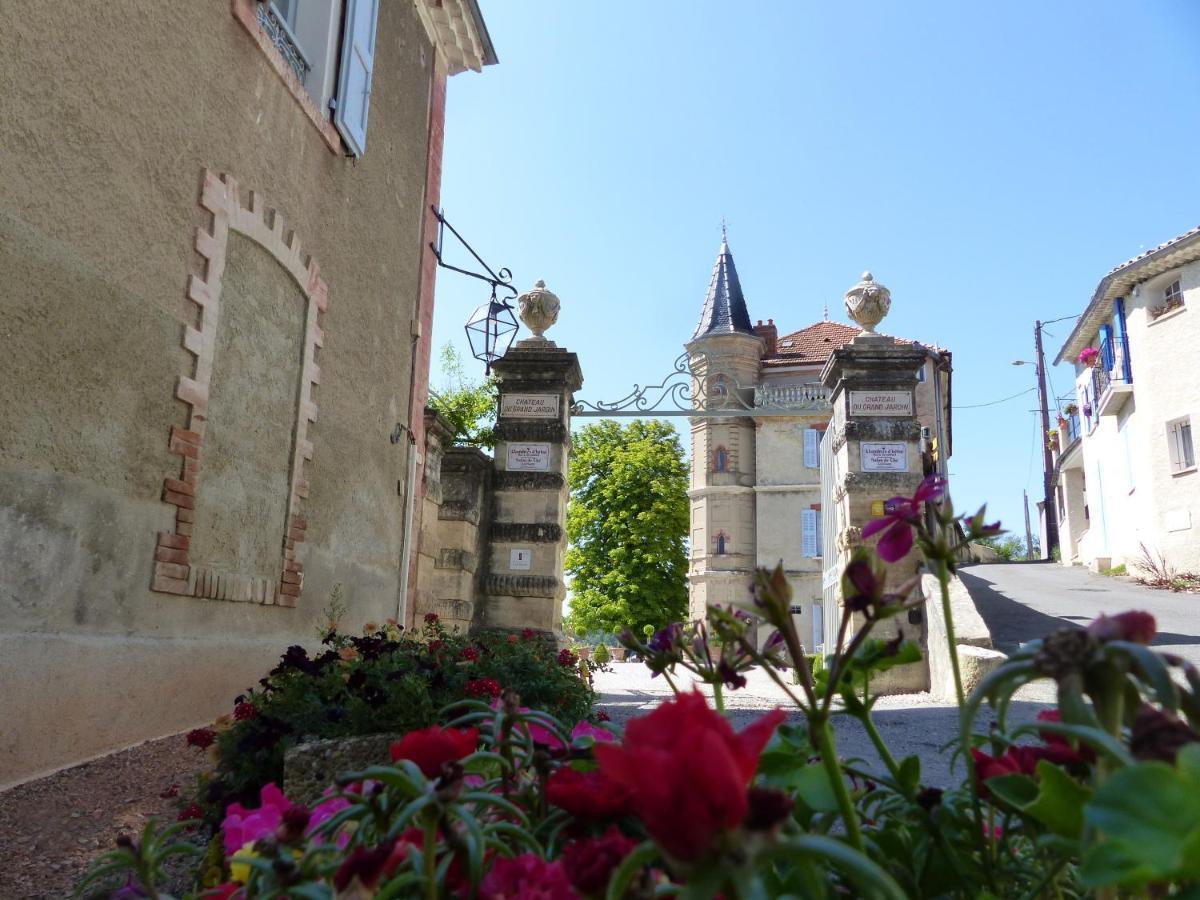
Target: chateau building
<point>1124,455</point>
<point>757,471</point>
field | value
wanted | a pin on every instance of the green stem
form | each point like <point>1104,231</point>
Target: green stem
<point>880,747</point>
<point>982,837</point>
<point>822,738</point>
<point>431,885</point>
<point>718,698</point>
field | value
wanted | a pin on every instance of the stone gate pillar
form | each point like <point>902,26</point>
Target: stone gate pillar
<point>876,451</point>
<point>523,585</point>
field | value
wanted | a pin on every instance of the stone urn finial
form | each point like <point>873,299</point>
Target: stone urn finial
<point>539,310</point>
<point>868,302</point>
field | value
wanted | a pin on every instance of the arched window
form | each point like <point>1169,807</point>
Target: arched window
<point>721,539</point>
<point>721,460</point>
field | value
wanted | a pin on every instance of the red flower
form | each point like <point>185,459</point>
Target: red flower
<point>528,633</point>
<point>587,795</point>
<point>369,866</point>
<point>431,618</point>
<point>897,525</point>
<point>590,863</point>
<point>566,657</point>
<point>435,646</point>
<point>201,737</point>
<point>602,716</point>
<point>470,654</point>
<point>431,747</point>
<point>1136,626</point>
<point>526,877</point>
<point>688,771</point>
<point>483,687</point>
<point>225,891</point>
<point>244,711</point>
<point>190,812</point>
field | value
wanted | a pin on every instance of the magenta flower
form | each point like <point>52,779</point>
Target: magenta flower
<point>245,826</point>
<point>584,728</point>
<point>896,525</point>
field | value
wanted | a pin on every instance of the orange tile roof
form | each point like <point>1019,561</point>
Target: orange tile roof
<point>812,345</point>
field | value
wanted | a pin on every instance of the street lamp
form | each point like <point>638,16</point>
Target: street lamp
<point>491,330</point>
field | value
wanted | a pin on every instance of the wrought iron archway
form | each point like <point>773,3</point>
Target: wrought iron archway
<point>700,392</point>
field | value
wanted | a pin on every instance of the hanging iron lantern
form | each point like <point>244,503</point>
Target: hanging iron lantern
<point>491,330</point>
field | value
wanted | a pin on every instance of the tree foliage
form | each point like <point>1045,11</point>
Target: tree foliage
<point>469,406</point>
<point>627,523</point>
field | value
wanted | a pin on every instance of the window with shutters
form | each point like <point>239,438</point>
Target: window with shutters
<point>810,532</point>
<point>1179,446</point>
<point>324,51</point>
<point>812,448</point>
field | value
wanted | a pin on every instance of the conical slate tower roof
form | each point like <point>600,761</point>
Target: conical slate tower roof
<point>724,308</point>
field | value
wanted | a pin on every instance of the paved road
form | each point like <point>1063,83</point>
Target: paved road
<point>1023,601</point>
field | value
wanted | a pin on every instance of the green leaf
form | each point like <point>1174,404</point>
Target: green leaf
<point>870,879</point>
<point>1152,668</point>
<point>910,774</point>
<point>1149,814</point>
<point>1015,790</point>
<point>619,881</point>
<point>1060,801</point>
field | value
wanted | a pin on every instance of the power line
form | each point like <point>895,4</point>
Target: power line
<point>994,402</point>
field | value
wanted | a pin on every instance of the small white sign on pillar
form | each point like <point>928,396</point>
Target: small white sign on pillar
<point>533,457</point>
<point>520,559</point>
<point>881,403</point>
<point>884,456</point>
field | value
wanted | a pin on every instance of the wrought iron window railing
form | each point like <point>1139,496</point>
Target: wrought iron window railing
<point>1113,365</point>
<point>281,36</point>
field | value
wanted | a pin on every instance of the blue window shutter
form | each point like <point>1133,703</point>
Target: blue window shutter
<point>1122,338</point>
<point>812,448</point>
<point>1106,348</point>
<point>354,80</point>
<point>808,532</point>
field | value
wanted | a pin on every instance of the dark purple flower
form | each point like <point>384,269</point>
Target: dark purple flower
<point>896,525</point>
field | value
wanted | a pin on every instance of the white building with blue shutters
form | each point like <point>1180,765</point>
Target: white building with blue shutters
<point>756,486</point>
<point>1125,470</point>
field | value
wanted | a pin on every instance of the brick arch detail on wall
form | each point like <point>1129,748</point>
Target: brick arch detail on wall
<point>174,572</point>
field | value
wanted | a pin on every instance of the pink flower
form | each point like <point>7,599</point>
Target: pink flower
<point>1134,625</point>
<point>245,826</point>
<point>584,728</point>
<point>326,810</point>
<point>897,538</point>
<point>526,877</point>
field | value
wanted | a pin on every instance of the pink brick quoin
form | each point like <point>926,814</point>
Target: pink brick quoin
<point>174,572</point>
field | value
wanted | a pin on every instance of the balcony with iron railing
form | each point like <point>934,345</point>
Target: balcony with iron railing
<point>811,396</point>
<point>1112,376</point>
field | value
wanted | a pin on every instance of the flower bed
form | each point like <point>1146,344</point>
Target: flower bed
<point>1098,797</point>
<point>382,682</point>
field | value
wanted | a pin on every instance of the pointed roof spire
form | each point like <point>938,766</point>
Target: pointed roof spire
<point>724,308</point>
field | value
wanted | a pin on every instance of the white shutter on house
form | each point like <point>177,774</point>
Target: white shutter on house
<point>808,532</point>
<point>354,79</point>
<point>812,448</point>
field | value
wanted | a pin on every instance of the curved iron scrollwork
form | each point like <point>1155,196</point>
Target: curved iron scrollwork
<point>683,391</point>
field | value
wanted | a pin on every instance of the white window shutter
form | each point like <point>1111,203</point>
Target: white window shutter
<point>808,532</point>
<point>820,542</point>
<point>354,79</point>
<point>812,448</point>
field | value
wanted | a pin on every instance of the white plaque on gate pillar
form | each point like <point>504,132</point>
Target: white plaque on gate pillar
<point>520,558</point>
<point>529,457</point>
<point>884,456</point>
<point>529,406</point>
<point>881,403</point>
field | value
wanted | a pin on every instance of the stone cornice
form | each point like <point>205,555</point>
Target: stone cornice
<point>456,28</point>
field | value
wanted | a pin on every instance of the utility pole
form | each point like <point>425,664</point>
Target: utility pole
<point>1028,533</point>
<point>1050,507</point>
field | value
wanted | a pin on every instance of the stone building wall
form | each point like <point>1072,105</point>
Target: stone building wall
<point>154,150</point>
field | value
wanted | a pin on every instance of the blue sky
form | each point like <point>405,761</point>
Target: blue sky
<point>989,163</point>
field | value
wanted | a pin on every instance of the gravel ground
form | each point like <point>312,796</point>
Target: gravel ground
<point>51,829</point>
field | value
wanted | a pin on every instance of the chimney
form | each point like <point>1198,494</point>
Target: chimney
<point>770,334</point>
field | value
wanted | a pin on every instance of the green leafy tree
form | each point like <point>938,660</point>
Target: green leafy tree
<point>469,406</point>
<point>627,524</point>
